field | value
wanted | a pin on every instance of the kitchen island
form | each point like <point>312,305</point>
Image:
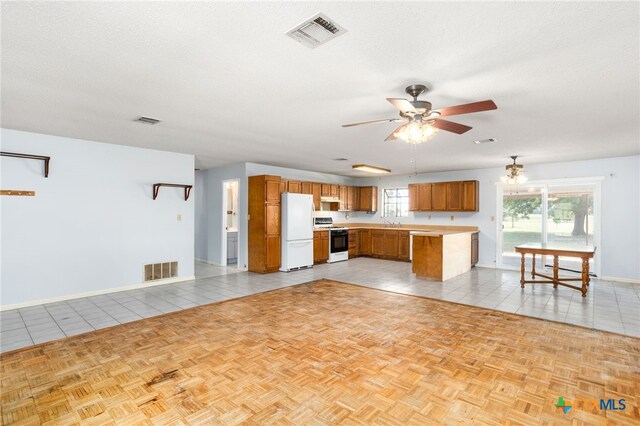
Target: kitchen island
<point>441,255</point>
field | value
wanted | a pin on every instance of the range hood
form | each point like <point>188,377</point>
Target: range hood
<point>329,199</point>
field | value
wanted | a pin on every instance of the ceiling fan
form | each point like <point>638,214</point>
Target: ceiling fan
<point>421,122</point>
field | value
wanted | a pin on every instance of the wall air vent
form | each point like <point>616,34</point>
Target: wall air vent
<point>158,271</point>
<point>316,30</point>
<point>147,120</point>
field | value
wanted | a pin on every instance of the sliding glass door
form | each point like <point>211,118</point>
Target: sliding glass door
<point>560,213</point>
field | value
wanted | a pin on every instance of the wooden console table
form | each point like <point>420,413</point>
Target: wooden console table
<point>584,253</point>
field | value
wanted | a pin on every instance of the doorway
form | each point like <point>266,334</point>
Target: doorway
<point>563,213</point>
<point>229,253</point>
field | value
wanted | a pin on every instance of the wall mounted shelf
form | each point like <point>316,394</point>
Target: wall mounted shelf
<point>17,192</point>
<point>31,157</point>
<point>187,189</point>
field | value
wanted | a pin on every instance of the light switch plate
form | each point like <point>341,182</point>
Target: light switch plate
<point>179,218</point>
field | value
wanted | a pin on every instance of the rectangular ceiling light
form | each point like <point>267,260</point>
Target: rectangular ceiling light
<point>370,169</point>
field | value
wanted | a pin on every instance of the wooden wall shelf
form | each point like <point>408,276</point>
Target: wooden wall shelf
<point>17,192</point>
<point>187,189</point>
<point>31,157</point>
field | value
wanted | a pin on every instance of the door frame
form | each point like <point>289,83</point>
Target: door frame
<point>596,181</point>
<point>223,239</point>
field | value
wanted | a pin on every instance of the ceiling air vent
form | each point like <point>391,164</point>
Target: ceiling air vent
<point>316,30</point>
<point>147,120</point>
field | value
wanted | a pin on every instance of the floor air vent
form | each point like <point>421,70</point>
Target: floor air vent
<point>158,271</point>
<point>315,31</point>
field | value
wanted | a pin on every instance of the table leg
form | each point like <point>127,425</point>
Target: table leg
<point>533,266</point>
<point>522,271</point>
<point>585,276</point>
<point>555,271</point>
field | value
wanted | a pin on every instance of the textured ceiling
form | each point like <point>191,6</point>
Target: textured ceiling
<point>229,86</point>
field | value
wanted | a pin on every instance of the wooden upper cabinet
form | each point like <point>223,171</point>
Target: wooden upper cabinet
<point>351,198</point>
<point>306,188</point>
<point>273,191</point>
<point>368,198</point>
<point>343,193</point>
<point>454,196</point>
<point>325,190</point>
<point>413,197</point>
<point>470,192</point>
<point>295,187</point>
<point>424,197</point>
<point>317,193</point>
<point>335,191</point>
<point>284,186</point>
<point>439,196</point>
<point>444,196</point>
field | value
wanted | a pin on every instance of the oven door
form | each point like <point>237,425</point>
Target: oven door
<point>339,241</point>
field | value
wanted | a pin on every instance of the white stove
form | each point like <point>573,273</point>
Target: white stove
<point>338,239</point>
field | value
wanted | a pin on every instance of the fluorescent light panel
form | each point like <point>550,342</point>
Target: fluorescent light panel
<point>370,169</point>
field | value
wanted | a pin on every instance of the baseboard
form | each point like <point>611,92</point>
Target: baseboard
<point>620,280</point>
<point>96,293</point>
<point>210,262</point>
<point>488,265</point>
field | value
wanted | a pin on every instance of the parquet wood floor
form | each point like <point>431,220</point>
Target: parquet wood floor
<point>324,353</point>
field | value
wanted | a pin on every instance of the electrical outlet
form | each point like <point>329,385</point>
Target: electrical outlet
<point>493,218</point>
<point>179,218</point>
<point>429,217</point>
<point>451,217</point>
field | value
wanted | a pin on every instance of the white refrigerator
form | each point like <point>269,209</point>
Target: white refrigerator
<point>297,231</point>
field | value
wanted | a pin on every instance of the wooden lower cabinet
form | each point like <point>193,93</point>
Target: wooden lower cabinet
<point>353,242</point>
<point>475,252</point>
<point>403,246</point>
<point>377,243</point>
<point>320,247</point>
<point>364,248</point>
<point>391,240</point>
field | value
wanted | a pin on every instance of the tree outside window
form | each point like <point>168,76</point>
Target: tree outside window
<point>395,202</point>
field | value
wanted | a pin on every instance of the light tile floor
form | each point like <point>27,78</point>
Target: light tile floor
<point>609,306</point>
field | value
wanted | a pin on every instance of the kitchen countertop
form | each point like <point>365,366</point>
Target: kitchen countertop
<point>427,230</point>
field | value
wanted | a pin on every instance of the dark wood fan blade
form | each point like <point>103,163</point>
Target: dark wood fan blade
<point>402,104</point>
<point>392,135</point>
<point>450,126</point>
<point>467,108</point>
<point>388,120</point>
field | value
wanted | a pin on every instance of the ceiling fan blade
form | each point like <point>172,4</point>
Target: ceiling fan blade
<point>387,120</point>
<point>450,126</point>
<point>468,108</point>
<point>402,104</point>
<point>392,135</point>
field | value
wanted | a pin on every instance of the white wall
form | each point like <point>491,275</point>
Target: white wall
<point>93,223</point>
<point>620,245</point>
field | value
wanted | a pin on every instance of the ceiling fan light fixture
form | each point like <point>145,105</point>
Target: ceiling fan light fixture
<point>416,132</point>
<point>515,173</point>
<point>370,169</point>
